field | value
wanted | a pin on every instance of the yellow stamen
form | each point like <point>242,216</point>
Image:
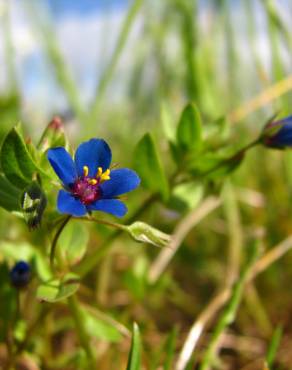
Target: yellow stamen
<point>85,171</point>
<point>92,181</point>
<point>103,176</point>
<point>106,175</point>
<point>99,172</point>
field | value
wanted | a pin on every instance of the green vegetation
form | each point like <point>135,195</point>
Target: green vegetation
<point>196,275</point>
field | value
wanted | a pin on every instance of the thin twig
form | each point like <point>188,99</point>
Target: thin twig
<point>235,236</point>
<point>227,317</point>
<point>181,231</point>
<point>219,300</point>
<point>265,97</point>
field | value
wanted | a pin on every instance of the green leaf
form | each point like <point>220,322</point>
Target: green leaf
<point>170,349</point>
<point>100,329</point>
<point>274,345</point>
<point>135,279</point>
<point>16,161</point>
<point>10,111</point>
<point>168,125</point>
<point>215,166</point>
<point>190,193</point>
<point>73,241</point>
<point>16,250</point>
<point>189,130</point>
<point>9,195</point>
<point>58,289</point>
<point>149,168</point>
<point>134,361</point>
<point>19,330</point>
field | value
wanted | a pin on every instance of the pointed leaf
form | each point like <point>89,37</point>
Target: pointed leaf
<point>16,161</point>
<point>274,346</point>
<point>170,349</point>
<point>189,130</point>
<point>100,329</point>
<point>148,165</point>
<point>134,361</point>
<point>57,289</point>
<point>73,241</point>
<point>9,195</point>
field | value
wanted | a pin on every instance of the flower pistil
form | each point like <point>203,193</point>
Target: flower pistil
<point>86,188</point>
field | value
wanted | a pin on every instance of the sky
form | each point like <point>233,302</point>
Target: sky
<point>82,30</point>
<point>65,8</point>
<point>86,31</point>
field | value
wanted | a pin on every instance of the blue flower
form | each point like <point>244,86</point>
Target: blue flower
<point>278,134</point>
<point>20,274</point>
<point>89,183</point>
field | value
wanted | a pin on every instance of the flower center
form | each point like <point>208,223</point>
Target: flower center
<point>87,189</point>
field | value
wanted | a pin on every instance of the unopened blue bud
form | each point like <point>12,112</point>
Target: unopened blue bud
<point>20,274</point>
<point>278,134</point>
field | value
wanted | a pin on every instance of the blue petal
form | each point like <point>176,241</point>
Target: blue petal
<point>93,154</point>
<point>113,206</point>
<point>63,165</point>
<point>121,181</point>
<point>284,136</point>
<point>69,205</point>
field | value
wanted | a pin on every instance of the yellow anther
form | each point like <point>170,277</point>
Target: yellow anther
<point>99,172</point>
<point>106,175</point>
<point>92,181</point>
<point>103,176</point>
<point>85,171</point>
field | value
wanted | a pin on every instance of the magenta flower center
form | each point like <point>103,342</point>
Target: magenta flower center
<point>86,191</point>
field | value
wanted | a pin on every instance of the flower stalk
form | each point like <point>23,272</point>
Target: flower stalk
<point>56,238</point>
<point>81,330</point>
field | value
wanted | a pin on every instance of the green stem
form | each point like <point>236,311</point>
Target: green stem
<point>89,262</point>
<point>238,154</point>
<point>103,222</point>
<point>34,326</point>
<point>56,238</point>
<point>81,330</point>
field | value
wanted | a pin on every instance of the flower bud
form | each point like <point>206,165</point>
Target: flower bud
<point>142,232</point>
<point>53,135</point>
<point>278,134</point>
<point>20,275</point>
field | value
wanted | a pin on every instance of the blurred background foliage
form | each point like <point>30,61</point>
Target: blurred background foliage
<point>120,69</point>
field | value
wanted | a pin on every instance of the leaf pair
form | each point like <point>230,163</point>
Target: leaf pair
<point>22,166</point>
<point>147,161</point>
